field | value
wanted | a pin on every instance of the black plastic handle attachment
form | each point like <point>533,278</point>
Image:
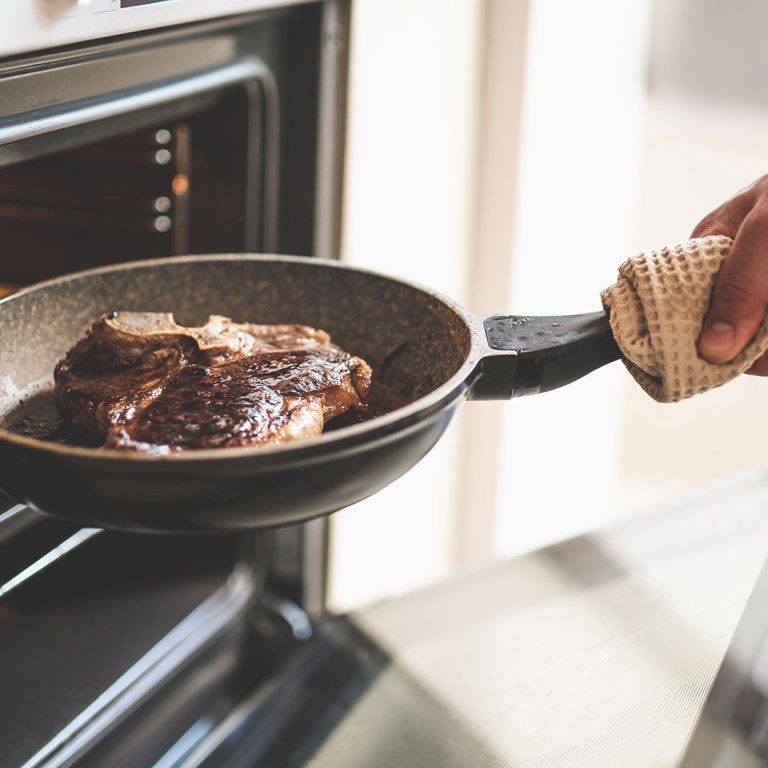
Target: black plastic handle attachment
<point>544,353</point>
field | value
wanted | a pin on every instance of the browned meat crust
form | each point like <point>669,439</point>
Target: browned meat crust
<point>145,383</point>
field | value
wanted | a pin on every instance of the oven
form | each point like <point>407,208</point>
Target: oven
<point>147,128</point>
<point>132,129</point>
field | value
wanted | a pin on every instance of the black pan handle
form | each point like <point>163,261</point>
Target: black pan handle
<point>528,355</point>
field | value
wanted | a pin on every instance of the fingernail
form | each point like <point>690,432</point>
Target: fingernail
<point>717,337</point>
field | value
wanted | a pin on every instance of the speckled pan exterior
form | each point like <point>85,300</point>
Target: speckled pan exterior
<point>421,347</point>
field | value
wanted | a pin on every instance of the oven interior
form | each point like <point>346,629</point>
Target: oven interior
<point>130,649</point>
<point>171,188</point>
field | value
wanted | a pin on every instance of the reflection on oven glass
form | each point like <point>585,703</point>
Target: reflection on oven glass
<point>133,3</point>
<point>130,648</point>
<point>160,191</point>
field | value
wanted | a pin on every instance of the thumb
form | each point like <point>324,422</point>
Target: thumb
<point>737,306</point>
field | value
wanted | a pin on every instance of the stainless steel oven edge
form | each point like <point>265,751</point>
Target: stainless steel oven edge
<point>32,25</point>
<point>179,647</point>
<point>59,99</point>
<point>79,101</point>
<point>52,100</point>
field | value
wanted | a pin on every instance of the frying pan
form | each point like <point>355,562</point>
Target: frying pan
<point>428,355</point>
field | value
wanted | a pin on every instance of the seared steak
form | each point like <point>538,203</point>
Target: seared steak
<point>145,383</point>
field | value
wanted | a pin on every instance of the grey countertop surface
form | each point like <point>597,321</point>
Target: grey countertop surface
<point>598,651</point>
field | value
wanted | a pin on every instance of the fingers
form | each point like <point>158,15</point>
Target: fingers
<point>740,294</point>
<point>760,366</point>
<point>727,219</point>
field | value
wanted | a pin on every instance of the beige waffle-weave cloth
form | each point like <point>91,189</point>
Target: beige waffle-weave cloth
<point>657,307</point>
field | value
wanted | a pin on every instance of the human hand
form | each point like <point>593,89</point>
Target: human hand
<point>740,295</point>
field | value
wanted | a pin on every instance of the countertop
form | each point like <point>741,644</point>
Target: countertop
<point>598,651</point>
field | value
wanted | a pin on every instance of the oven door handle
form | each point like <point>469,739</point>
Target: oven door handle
<point>14,518</point>
<point>38,122</point>
<point>42,131</point>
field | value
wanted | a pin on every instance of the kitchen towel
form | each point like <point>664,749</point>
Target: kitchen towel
<point>656,308</point>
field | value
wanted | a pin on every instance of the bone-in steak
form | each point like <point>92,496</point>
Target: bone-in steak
<point>145,383</point>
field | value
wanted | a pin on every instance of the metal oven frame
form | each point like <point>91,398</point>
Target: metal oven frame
<point>51,100</point>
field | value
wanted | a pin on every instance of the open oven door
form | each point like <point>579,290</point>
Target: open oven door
<point>221,135</point>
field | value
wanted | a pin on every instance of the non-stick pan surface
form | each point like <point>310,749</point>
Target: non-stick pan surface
<point>427,355</point>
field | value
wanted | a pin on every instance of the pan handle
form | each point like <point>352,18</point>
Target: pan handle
<point>528,355</point>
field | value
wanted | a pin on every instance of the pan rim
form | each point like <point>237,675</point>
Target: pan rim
<point>447,392</point>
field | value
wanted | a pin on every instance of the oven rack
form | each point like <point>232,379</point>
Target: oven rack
<point>35,551</point>
<point>18,518</point>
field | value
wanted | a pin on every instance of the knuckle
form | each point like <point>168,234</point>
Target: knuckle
<point>736,289</point>
<point>725,220</point>
<point>707,226</point>
<point>760,185</point>
<point>759,211</point>
<point>759,367</point>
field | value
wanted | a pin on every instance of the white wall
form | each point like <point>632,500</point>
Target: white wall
<point>408,209</point>
<point>706,137</point>
<point>423,153</point>
<point>697,155</point>
<point>583,121</point>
